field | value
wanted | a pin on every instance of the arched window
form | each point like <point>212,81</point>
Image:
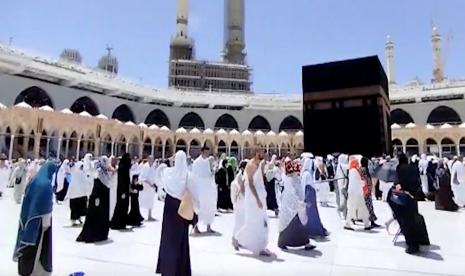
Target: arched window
<point>412,147</point>
<point>234,149</point>
<point>194,149</point>
<point>123,113</point>
<point>159,118</point>
<point>35,97</point>
<point>401,117</point>
<point>85,104</point>
<point>397,145</point>
<point>290,123</point>
<point>444,114</point>
<point>222,147</point>
<point>259,123</point>
<point>448,147</point>
<point>181,145</point>
<point>191,120</point>
<point>226,121</point>
<point>431,146</point>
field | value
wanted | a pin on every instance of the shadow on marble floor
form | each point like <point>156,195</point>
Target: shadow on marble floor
<point>425,251</point>
<point>270,259</point>
<point>315,253</point>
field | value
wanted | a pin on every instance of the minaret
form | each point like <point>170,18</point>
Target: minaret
<point>438,66</point>
<point>181,45</point>
<point>391,67</point>
<point>234,38</point>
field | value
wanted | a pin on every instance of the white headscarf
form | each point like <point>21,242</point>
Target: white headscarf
<point>175,178</point>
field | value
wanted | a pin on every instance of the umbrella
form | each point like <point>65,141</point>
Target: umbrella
<point>387,171</point>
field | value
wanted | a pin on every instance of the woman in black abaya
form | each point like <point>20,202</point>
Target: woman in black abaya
<point>134,217</point>
<point>120,215</point>
<point>97,223</point>
<point>402,201</point>
<point>174,256</point>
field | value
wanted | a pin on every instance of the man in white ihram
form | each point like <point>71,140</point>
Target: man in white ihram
<point>254,234</point>
<point>458,181</point>
<point>423,166</point>
<point>147,179</point>
<point>205,191</point>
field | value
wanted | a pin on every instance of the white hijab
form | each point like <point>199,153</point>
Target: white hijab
<point>175,178</point>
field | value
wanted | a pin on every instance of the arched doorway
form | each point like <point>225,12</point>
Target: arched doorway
<point>158,150</point>
<point>159,118</point>
<point>85,104</point>
<point>147,148</point>
<point>194,149</point>
<point>226,122</point>
<point>260,123</point>
<point>181,145</point>
<point>290,124</point>
<point>222,148</point>
<point>168,148</point>
<point>431,146</point>
<point>448,148</point>
<point>124,114</point>
<point>121,146</point>
<point>105,145</point>
<point>234,149</point>
<point>411,147</point>
<point>35,97</point>
<point>397,146</point>
<point>133,149</point>
<point>191,120</point>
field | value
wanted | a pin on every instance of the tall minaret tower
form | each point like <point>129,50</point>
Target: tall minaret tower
<point>391,67</point>
<point>181,45</point>
<point>234,38</point>
<point>438,63</point>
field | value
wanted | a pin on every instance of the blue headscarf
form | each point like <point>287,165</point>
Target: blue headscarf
<point>38,201</point>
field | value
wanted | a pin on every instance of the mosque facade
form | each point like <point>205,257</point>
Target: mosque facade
<point>62,108</point>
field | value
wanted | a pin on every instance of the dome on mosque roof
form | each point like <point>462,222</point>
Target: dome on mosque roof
<point>142,125</point>
<point>23,105</point>
<point>101,116</point>
<point>71,55</point>
<point>208,131</point>
<point>154,127</point>
<point>164,128</point>
<point>108,62</point>
<point>66,111</point>
<point>2,106</point>
<point>46,108</point>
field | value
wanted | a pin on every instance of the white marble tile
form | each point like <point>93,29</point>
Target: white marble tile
<point>345,254</point>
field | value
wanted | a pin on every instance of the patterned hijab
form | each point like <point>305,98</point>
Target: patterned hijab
<point>102,170</point>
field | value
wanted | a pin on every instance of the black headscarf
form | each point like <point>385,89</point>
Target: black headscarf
<point>408,176</point>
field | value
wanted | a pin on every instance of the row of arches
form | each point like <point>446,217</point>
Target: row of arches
<point>439,115</point>
<point>19,143</point>
<point>446,147</point>
<point>37,97</point>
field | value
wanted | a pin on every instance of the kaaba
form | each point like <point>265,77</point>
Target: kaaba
<point>346,107</point>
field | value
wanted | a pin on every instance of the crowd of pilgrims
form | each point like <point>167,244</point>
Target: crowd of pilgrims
<point>109,193</point>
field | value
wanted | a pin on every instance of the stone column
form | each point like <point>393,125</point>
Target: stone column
<point>141,149</point>
<point>457,149</point>
<point>25,145</point>
<point>97,146</point>
<point>78,148</point>
<point>127,148</point>
<point>60,141</point>
<point>229,150</point>
<point>47,148</point>
<point>242,152</point>
<point>67,149</point>
<point>163,147</point>
<point>12,142</point>
<point>37,139</point>
<point>153,150</point>
<point>112,148</point>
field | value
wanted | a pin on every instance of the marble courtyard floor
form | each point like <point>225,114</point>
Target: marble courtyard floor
<point>346,253</point>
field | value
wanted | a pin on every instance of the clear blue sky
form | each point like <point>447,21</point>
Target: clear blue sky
<point>282,35</point>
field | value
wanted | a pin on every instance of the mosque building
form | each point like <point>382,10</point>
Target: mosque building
<point>59,107</point>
